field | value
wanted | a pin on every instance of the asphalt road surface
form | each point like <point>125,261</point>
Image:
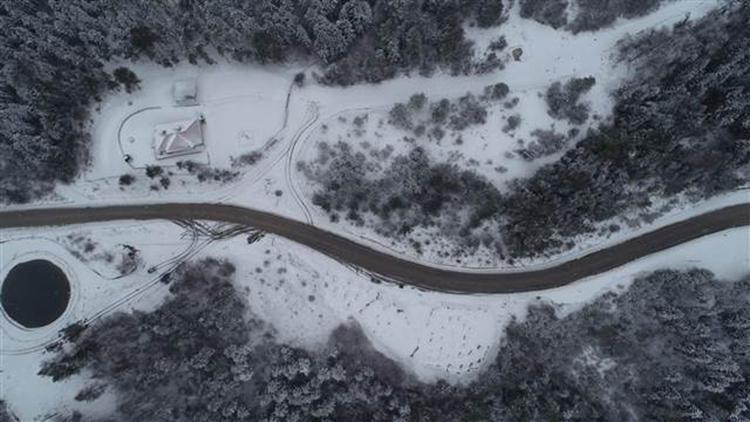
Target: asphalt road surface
<point>390,266</point>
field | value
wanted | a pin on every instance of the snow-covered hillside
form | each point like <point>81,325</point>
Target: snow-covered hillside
<point>304,295</point>
<point>265,135</point>
<point>246,112</point>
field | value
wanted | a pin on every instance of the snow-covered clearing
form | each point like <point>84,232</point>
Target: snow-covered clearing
<point>93,292</point>
<point>244,108</point>
<point>240,117</point>
<point>304,295</point>
<point>548,56</point>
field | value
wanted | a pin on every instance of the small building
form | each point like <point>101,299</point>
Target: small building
<point>185,92</point>
<point>179,138</point>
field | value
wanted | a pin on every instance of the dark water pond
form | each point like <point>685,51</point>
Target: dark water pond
<point>35,293</point>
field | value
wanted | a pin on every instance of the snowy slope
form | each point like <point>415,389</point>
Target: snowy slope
<point>246,111</point>
<point>304,295</point>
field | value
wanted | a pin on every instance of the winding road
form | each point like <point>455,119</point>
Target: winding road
<point>392,267</point>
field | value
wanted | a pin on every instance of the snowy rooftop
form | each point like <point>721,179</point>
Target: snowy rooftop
<point>178,138</point>
<point>185,92</point>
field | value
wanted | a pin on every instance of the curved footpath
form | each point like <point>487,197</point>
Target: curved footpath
<point>390,266</point>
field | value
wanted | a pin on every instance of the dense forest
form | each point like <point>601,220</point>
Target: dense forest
<point>53,55</point>
<point>203,356</point>
<point>681,125</point>
<point>588,15</point>
<point>672,347</point>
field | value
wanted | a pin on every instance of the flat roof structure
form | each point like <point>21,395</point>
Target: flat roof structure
<point>185,92</point>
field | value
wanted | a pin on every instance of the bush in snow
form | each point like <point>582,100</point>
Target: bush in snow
<point>400,116</point>
<point>563,101</point>
<point>127,78</point>
<point>497,91</point>
<point>299,79</point>
<point>440,111</point>
<point>154,171</point>
<point>547,142</point>
<point>205,173</point>
<point>512,123</point>
<point>126,180</point>
<point>498,44</point>
<point>469,111</point>
<point>417,101</point>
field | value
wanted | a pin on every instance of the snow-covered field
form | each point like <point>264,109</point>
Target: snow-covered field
<point>548,56</point>
<point>239,116</point>
<point>245,111</point>
<point>304,295</point>
<point>93,293</point>
<point>244,106</point>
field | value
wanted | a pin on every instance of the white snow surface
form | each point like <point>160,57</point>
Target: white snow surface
<point>244,107</point>
<point>433,335</point>
<point>304,295</point>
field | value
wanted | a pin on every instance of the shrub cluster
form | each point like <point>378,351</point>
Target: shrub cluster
<point>412,191</point>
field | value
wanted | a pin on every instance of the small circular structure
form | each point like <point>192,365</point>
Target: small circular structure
<point>35,293</point>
